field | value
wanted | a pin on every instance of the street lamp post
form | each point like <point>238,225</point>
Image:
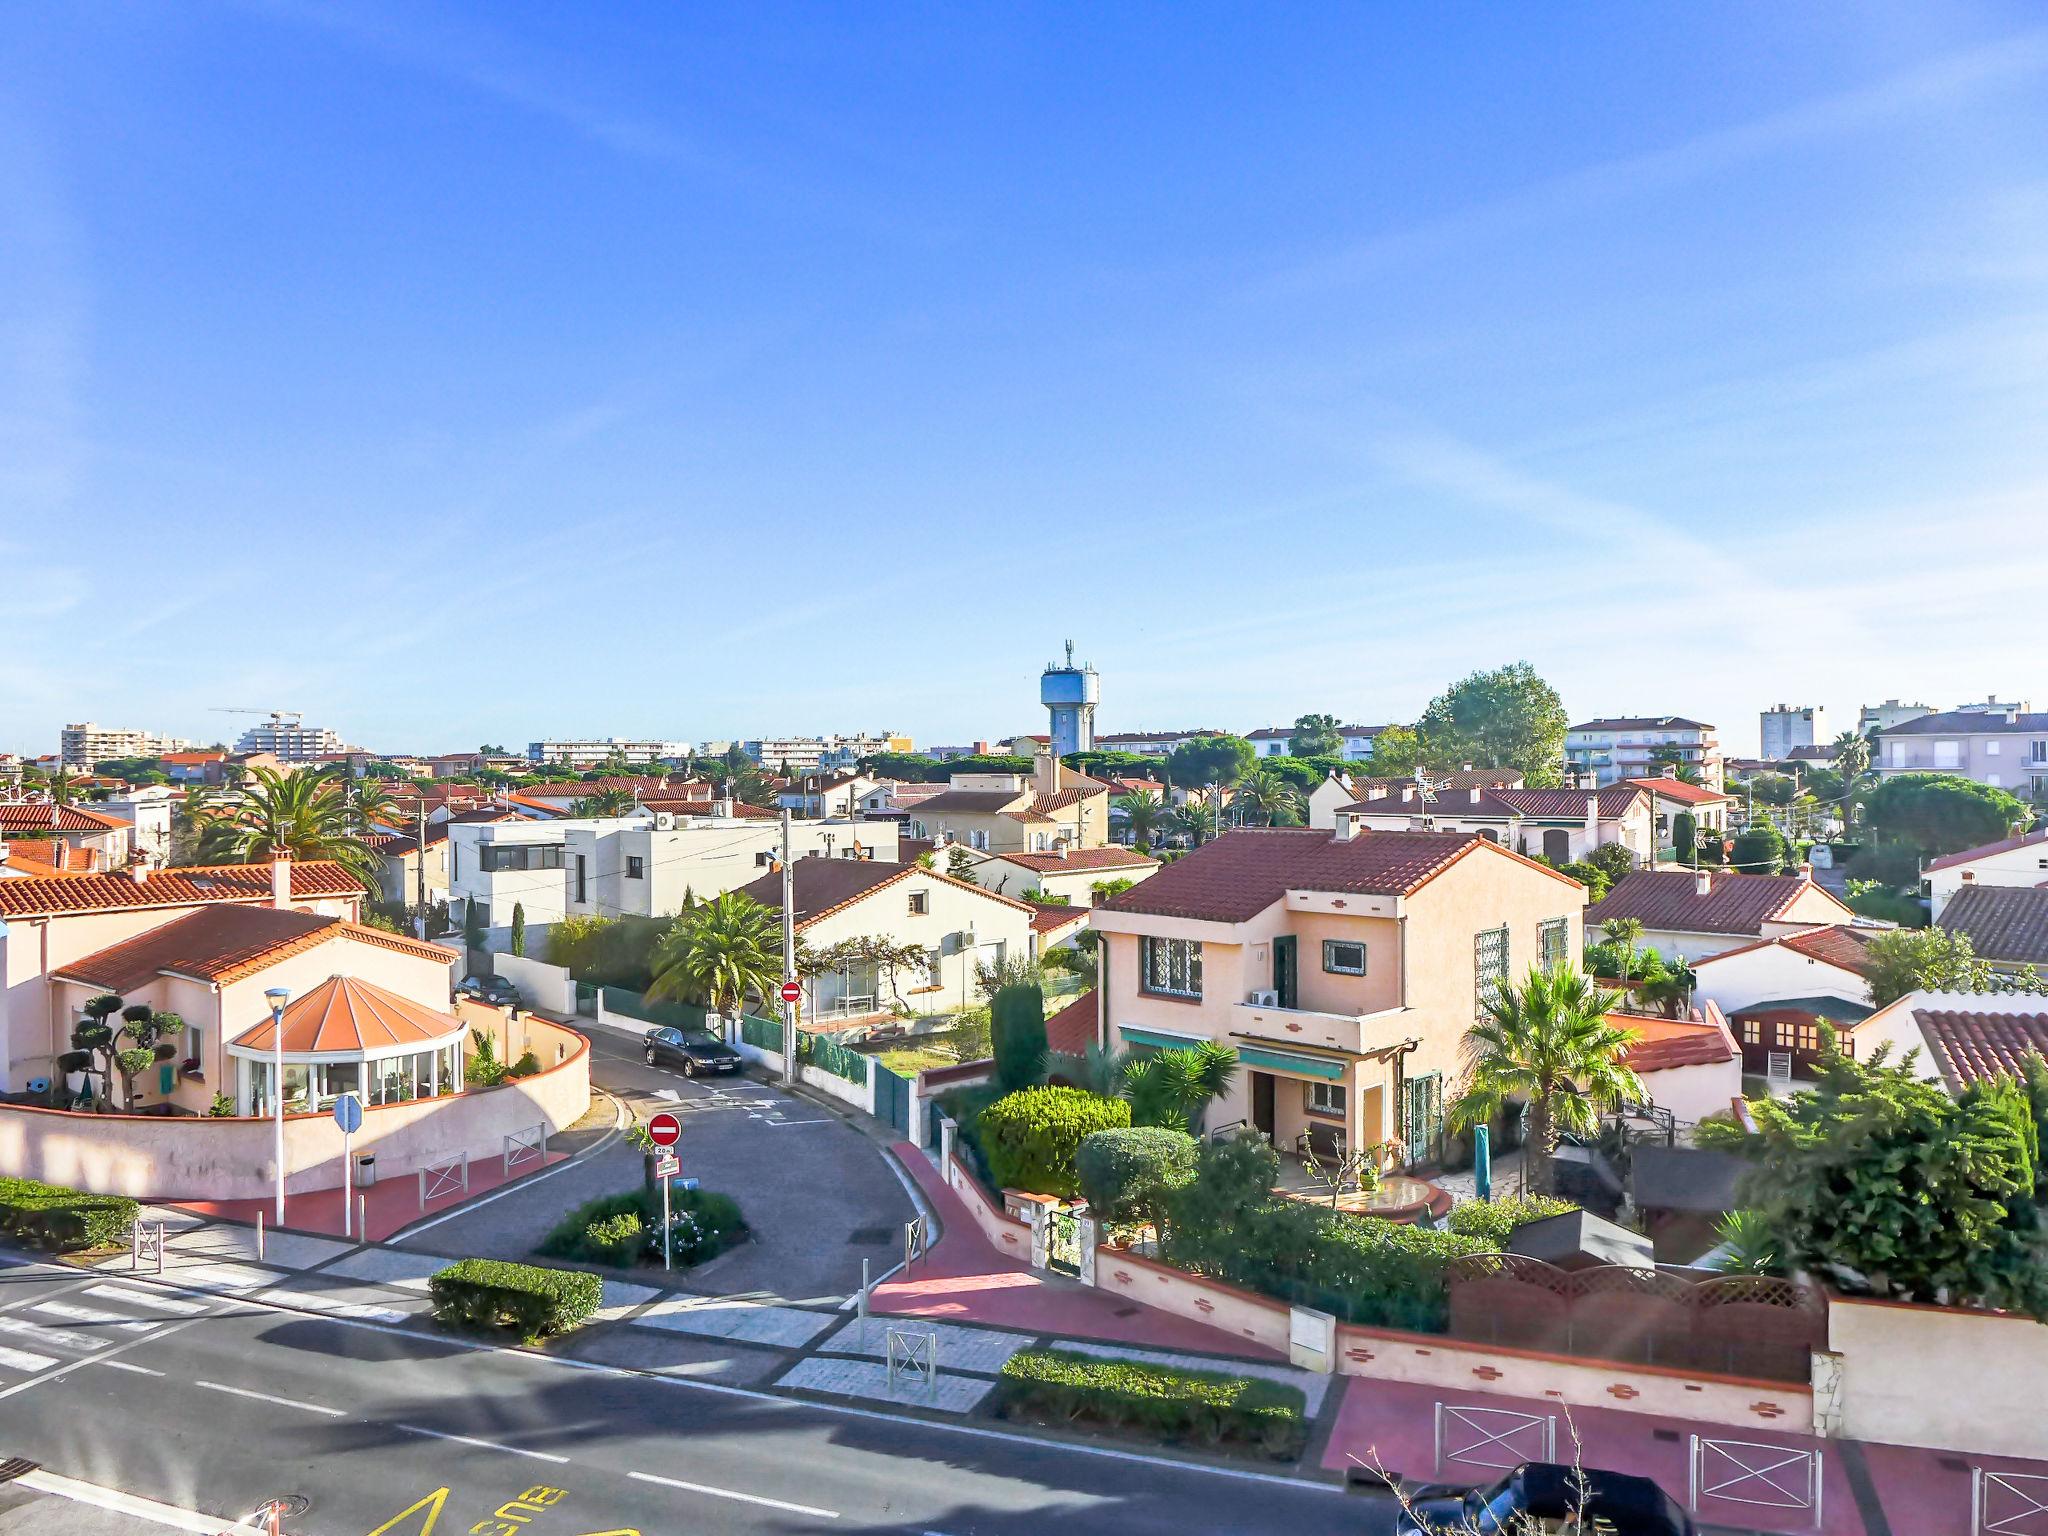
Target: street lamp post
<point>277,998</point>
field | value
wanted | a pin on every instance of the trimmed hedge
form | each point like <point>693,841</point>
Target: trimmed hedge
<point>63,1220</point>
<point>495,1295</point>
<point>1205,1406</point>
<point>1127,1173</point>
<point>1031,1137</point>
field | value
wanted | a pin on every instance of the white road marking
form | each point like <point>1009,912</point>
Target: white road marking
<point>63,1338</point>
<point>313,1301</point>
<point>128,1504</point>
<point>123,1365</point>
<point>265,1397</point>
<point>143,1298</point>
<point>22,1360</point>
<point>92,1315</point>
<point>486,1445</point>
<point>744,1498</point>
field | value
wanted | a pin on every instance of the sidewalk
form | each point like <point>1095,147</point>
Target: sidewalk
<point>963,1278</point>
<point>391,1205</point>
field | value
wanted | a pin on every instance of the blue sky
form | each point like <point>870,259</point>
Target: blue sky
<point>454,374</point>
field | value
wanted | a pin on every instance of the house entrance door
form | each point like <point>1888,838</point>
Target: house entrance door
<point>1262,1103</point>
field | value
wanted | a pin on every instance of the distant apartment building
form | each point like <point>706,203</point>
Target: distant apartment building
<point>1882,717</point>
<point>1992,706</point>
<point>588,753</point>
<point>1603,752</point>
<point>1278,741</point>
<point>2007,750</point>
<point>1788,726</point>
<point>1148,743</point>
<point>288,738</point>
<point>82,745</point>
<point>810,754</point>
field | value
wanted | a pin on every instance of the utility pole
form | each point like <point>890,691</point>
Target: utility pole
<point>789,1065</point>
<point>420,879</point>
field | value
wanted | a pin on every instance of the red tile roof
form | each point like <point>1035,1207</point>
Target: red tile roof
<point>2006,923</point>
<point>1968,1045</point>
<point>1662,1044</point>
<point>226,943</point>
<point>1837,945</point>
<point>577,789</point>
<point>1985,850</point>
<point>1242,873</point>
<point>971,802</point>
<point>1050,917</point>
<point>345,1017</point>
<point>49,856</point>
<point>1665,900</point>
<point>47,816</point>
<point>1072,1030</point>
<point>823,886</point>
<point>1678,789</point>
<point>196,886</point>
<point>1080,858</point>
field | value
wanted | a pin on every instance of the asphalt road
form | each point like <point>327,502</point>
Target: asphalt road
<point>226,1403</point>
<point>818,1194</point>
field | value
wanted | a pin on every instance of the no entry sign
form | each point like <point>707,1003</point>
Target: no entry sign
<point>792,991</point>
<point>665,1129</point>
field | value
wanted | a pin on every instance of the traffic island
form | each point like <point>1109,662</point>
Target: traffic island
<point>624,1231</point>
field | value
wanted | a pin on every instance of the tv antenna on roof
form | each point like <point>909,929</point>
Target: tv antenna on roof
<point>1426,790</point>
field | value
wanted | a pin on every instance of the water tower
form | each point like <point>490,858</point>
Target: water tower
<point>1070,694</point>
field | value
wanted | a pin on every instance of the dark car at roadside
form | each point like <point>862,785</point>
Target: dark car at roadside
<point>1545,1497</point>
<point>691,1052</point>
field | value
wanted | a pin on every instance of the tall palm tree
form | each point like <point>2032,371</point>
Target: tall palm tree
<point>720,953</point>
<point>1547,1043</point>
<point>300,815</point>
<point>606,802</point>
<point>1852,762</point>
<point>1264,798</point>
<point>1628,933</point>
<point>1194,819</point>
<point>1145,813</point>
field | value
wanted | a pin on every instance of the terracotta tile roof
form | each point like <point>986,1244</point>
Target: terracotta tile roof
<point>1678,789</point>
<point>1839,944</point>
<point>405,944</point>
<point>1060,799</point>
<point>191,759</point>
<point>577,789</point>
<point>1665,900</point>
<point>1985,850</point>
<point>215,944</point>
<point>1242,873</point>
<point>2006,923</point>
<point>1050,917</point>
<point>1028,816</point>
<point>1080,858</point>
<point>345,1017</point>
<point>49,856</point>
<point>1662,1044</point>
<point>1968,1045</point>
<point>1072,1030</point>
<point>822,887</point>
<point>47,816</point>
<point>196,886</point>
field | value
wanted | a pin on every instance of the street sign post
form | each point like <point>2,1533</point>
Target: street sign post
<point>665,1129</point>
<point>348,1114</point>
<point>666,1166</point>
<point>792,991</point>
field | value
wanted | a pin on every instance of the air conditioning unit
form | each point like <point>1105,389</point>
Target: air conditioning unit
<point>1269,998</point>
<point>664,821</point>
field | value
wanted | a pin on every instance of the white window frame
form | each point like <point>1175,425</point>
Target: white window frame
<point>1324,1098</point>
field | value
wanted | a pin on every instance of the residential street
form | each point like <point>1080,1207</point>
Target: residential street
<point>221,1403</point>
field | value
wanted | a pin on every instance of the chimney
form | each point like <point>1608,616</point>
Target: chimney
<point>1593,818</point>
<point>139,867</point>
<point>281,882</point>
<point>1407,793</point>
<point>1702,882</point>
<point>1347,828</point>
<point>1475,796</point>
<point>1806,871</point>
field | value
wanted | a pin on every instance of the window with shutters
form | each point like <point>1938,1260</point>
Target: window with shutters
<point>1170,967</point>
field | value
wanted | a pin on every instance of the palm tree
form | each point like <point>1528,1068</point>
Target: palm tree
<point>1101,1069</point>
<point>606,802</point>
<point>299,815</point>
<point>1264,796</point>
<point>1852,762</point>
<point>1748,1246</point>
<point>1194,819</point>
<point>1144,813</point>
<point>1547,1043</point>
<point>1175,1088</point>
<point>720,953</point>
<point>1628,933</point>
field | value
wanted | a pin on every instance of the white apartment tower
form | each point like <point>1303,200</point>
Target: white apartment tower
<point>1785,726</point>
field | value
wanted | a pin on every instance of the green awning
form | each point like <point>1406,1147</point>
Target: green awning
<point>1158,1039</point>
<point>1287,1061</point>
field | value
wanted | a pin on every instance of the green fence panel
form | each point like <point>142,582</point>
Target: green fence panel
<point>762,1034</point>
<point>839,1061</point>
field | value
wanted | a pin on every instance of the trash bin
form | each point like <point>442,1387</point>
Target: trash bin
<point>366,1170</point>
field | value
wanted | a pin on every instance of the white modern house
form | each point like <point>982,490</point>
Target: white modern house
<point>2021,860</point>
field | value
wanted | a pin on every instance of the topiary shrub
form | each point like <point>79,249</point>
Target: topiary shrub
<point>1492,1221</point>
<point>1032,1137</point>
<point>1128,1174</point>
<point>1017,1024</point>
<point>495,1295</point>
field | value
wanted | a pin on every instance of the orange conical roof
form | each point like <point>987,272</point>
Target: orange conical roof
<point>346,1017</point>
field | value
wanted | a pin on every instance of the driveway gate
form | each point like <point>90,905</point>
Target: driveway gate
<point>2008,1503</point>
<point>892,1097</point>
<point>1063,1240</point>
<point>1745,1472</point>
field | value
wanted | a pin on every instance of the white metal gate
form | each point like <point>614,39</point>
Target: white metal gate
<point>444,1178</point>
<point>1493,1437</point>
<point>2008,1503</point>
<point>912,1356</point>
<point>529,1146</point>
<point>1746,1472</point>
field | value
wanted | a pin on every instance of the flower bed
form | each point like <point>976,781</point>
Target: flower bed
<point>625,1229</point>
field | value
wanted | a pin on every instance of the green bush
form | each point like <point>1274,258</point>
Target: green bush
<point>63,1220</point>
<point>622,1229</point>
<point>1017,1017</point>
<point>526,1066</point>
<point>1031,1137</point>
<point>494,1295</point>
<point>1208,1407</point>
<point>1759,849</point>
<point>1127,1174</point>
<point>1494,1220</point>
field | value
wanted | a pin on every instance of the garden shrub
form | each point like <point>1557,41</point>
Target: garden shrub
<point>526,1066</point>
<point>495,1295</point>
<point>63,1220</point>
<point>1017,1022</point>
<point>1127,1174</point>
<point>623,1229</point>
<point>1205,1406</point>
<point>1031,1137</point>
<point>1494,1220</point>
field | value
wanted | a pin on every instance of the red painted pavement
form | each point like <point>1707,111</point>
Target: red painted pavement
<point>965,1279</point>
<point>394,1203</point>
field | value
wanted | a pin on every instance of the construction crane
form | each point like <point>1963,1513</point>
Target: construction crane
<point>277,716</point>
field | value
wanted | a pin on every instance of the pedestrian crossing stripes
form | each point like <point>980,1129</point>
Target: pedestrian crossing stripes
<point>22,1360</point>
<point>62,1338</point>
<point>79,1314</point>
<point>146,1299</point>
<point>313,1301</point>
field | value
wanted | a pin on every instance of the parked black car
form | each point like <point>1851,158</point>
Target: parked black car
<point>1544,1496</point>
<point>691,1052</point>
<point>495,990</point>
